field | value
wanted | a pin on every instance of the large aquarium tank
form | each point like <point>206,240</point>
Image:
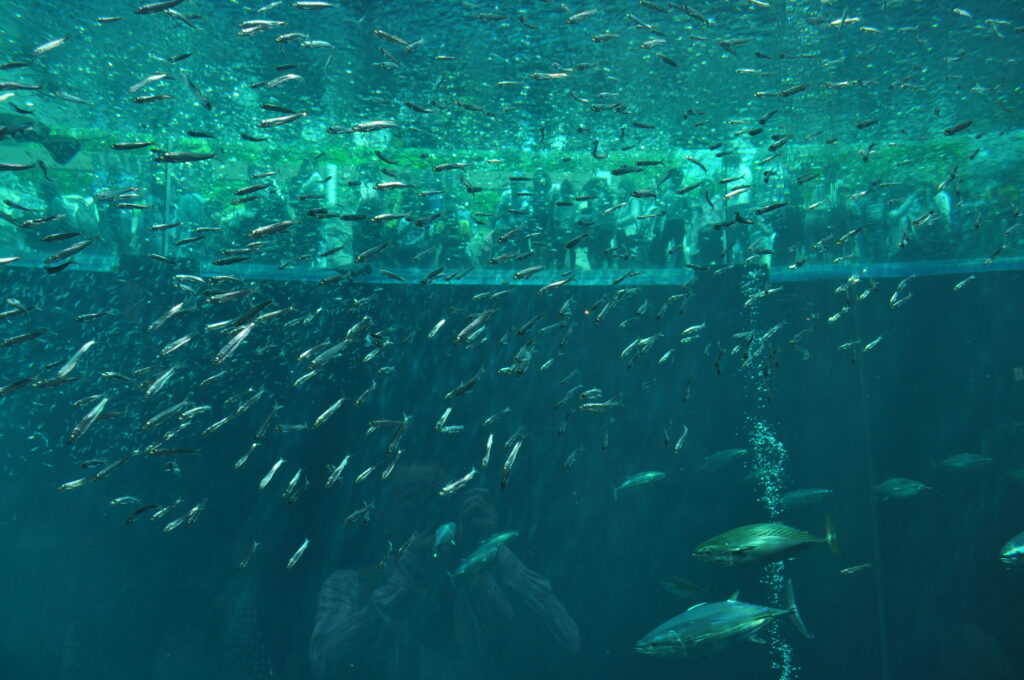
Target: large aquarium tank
<point>615,339</point>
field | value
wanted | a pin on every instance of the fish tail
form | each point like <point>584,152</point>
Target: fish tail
<point>830,536</point>
<point>795,613</point>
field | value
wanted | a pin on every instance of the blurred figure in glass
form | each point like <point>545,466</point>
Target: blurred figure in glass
<point>421,616</point>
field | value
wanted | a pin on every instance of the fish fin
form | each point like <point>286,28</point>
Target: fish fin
<point>830,536</point>
<point>758,639</point>
<point>735,597</point>
<point>615,493</point>
<point>795,613</point>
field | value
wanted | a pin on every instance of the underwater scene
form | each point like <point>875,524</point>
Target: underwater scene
<point>624,339</point>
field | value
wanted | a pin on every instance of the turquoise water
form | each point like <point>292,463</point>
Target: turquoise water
<point>499,261</point>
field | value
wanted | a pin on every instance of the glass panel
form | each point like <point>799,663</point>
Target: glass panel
<point>393,339</point>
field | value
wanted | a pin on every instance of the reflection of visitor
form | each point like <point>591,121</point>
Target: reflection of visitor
<point>596,222</point>
<point>412,620</point>
<point>82,215</point>
<point>563,225</point>
<point>307,194</point>
<point>704,243</point>
<point>902,219</point>
<point>190,210</point>
<point>542,213</point>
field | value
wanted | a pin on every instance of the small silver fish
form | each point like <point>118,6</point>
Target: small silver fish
<point>638,479</point>
<point>335,472</point>
<point>298,554</point>
<point>805,496</point>
<point>461,482</point>
<point>322,418</point>
<point>248,556</point>
<point>487,453</point>
<point>270,475</point>
<point>853,570</point>
<point>49,46</point>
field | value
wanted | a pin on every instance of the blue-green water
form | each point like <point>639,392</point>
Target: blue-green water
<point>772,233</point>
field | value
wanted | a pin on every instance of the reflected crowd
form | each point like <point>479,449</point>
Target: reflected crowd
<point>646,216</point>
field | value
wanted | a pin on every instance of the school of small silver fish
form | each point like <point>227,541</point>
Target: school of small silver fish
<point>213,346</point>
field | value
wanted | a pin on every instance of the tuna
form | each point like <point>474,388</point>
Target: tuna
<point>758,544</point>
<point>710,628</point>
<point>1013,552</point>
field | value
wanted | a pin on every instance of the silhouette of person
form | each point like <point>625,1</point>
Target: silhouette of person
<point>412,620</point>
